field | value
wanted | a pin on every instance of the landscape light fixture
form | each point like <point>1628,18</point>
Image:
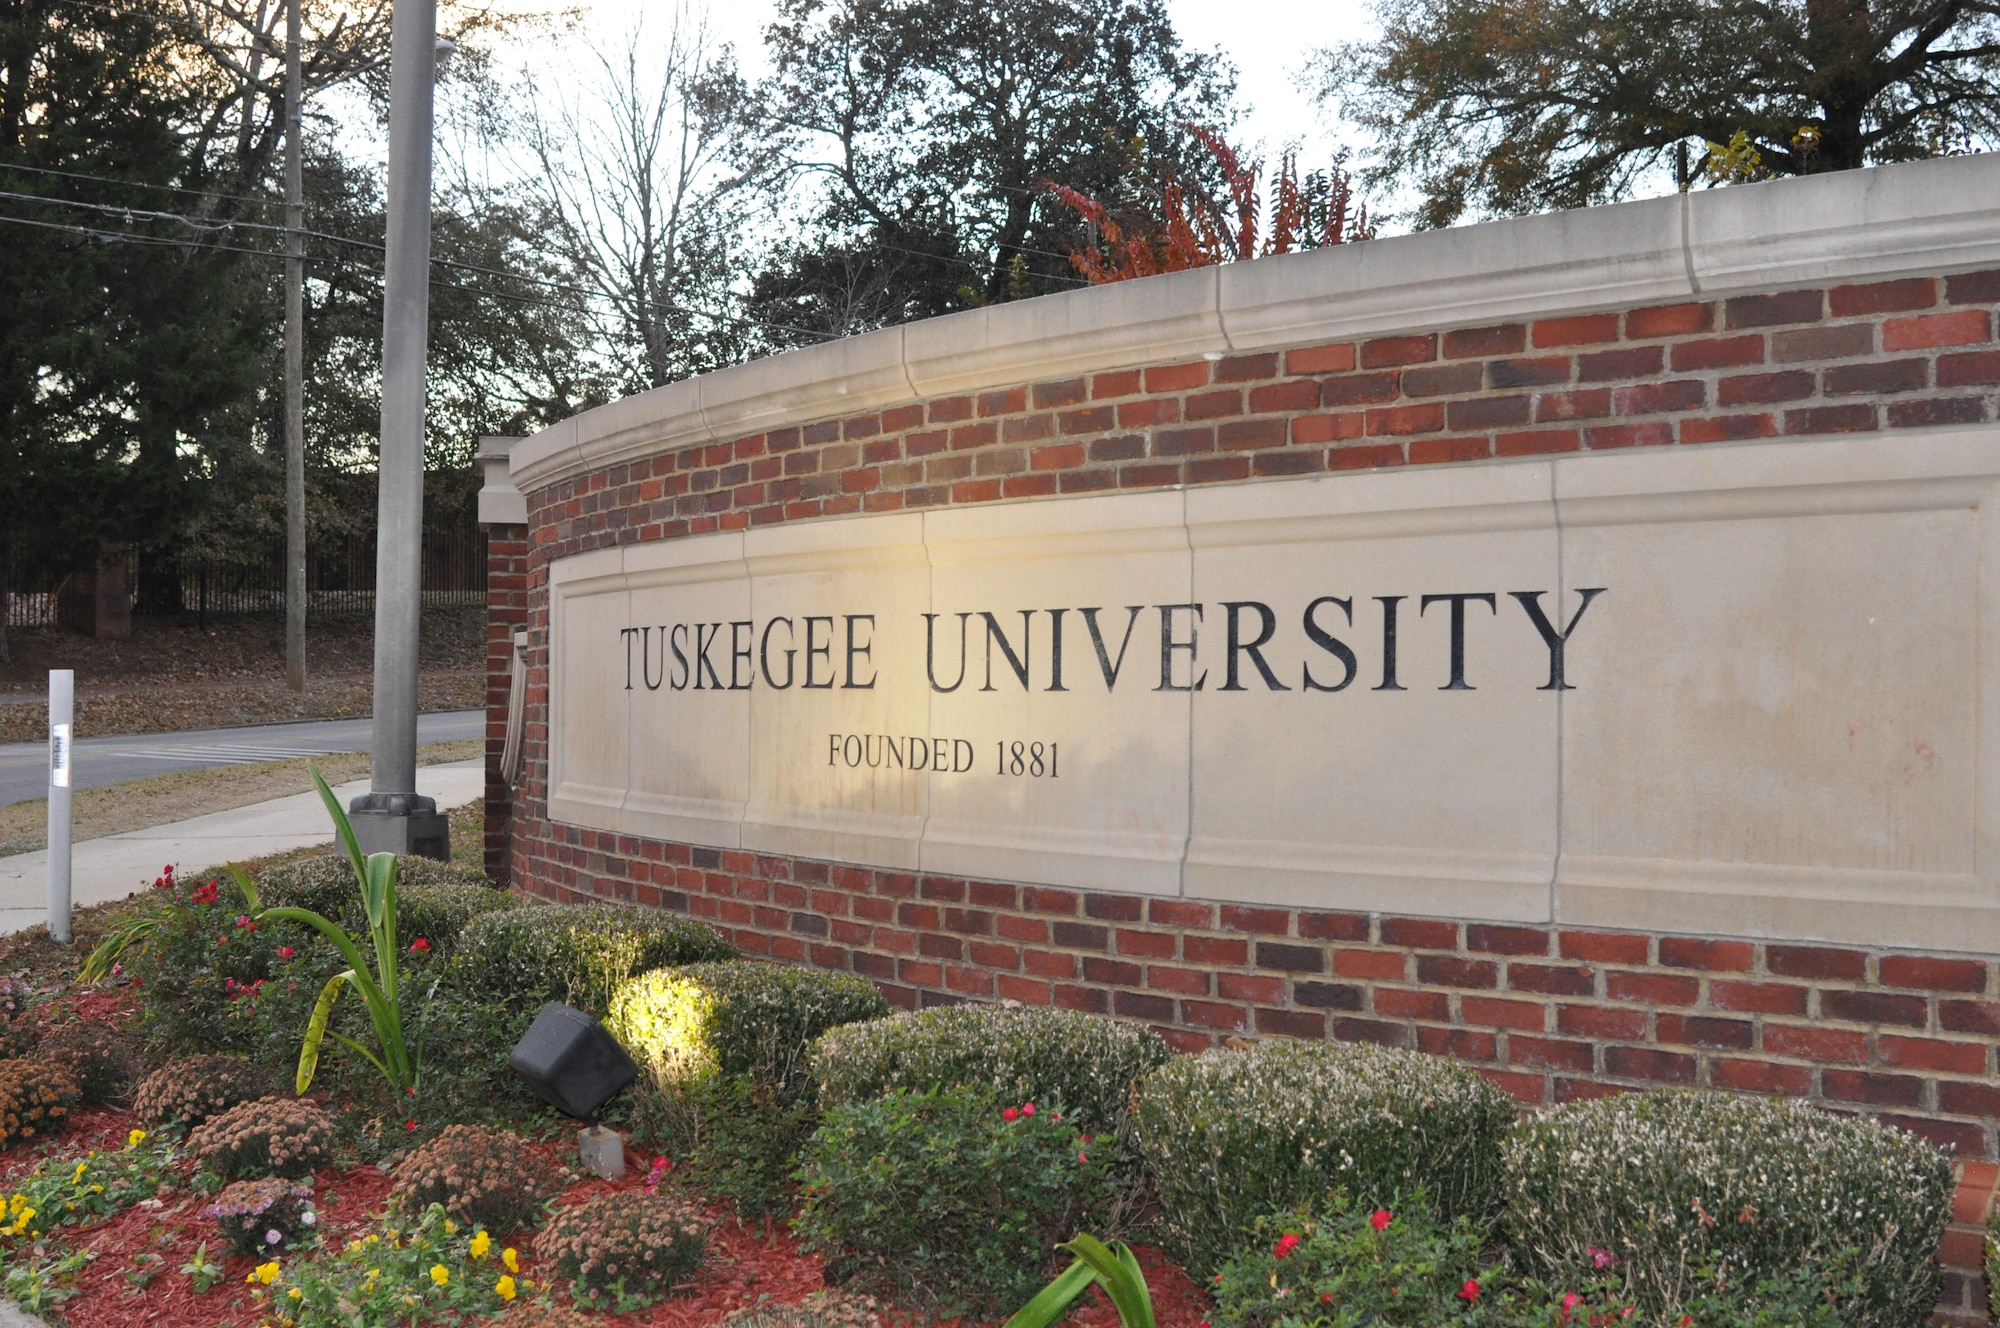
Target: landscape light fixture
<point>576,1067</point>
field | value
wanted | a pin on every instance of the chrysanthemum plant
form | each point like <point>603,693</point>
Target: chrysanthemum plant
<point>1112,1265</point>
<point>376,983</point>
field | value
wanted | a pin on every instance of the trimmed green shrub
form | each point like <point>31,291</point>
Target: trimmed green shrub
<point>576,954</point>
<point>726,1046</point>
<point>948,1194</point>
<point>1082,1064</point>
<point>740,1141</point>
<point>701,1020</point>
<point>1230,1136</point>
<point>1336,1264</point>
<point>434,900</point>
<point>1670,1183</point>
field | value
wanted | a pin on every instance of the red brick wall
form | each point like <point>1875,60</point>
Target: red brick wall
<point>506,613</point>
<point>1553,1014</point>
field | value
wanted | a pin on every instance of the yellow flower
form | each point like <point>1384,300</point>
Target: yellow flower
<point>266,1273</point>
<point>79,1171</point>
<point>296,1294</point>
<point>450,1227</point>
<point>134,1139</point>
<point>512,1260</point>
<point>440,1274</point>
<point>504,1288</point>
<point>480,1244</point>
<point>372,1238</point>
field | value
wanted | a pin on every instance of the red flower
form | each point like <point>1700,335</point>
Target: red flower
<point>284,952</point>
<point>420,946</point>
<point>1469,1293</point>
<point>1027,1108</point>
<point>1380,1219</point>
<point>411,1124</point>
<point>1286,1244</point>
<point>1009,1114</point>
<point>1326,1298</point>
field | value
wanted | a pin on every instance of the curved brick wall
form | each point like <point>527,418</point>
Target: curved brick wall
<point>1551,1013</point>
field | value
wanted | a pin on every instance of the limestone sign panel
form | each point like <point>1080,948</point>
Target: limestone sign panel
<point>1742,682</point>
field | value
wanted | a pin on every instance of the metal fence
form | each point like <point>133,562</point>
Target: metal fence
<point>340,580</point>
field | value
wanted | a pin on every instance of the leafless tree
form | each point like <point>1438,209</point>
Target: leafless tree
<point>643,180</point>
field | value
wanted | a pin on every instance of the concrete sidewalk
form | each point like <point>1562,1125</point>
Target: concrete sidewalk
<point>111,868</point>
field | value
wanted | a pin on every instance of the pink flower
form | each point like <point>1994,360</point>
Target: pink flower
<point>284,952</point>
<point>1027,1108</point>
<point>1380,1219</point>
<point>1599,1258</point>
<point>1009,1114</point>
<point>1469,1293</point>
<point>1286,1244</point>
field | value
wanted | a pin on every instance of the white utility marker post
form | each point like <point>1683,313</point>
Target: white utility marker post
<point>62,734</point>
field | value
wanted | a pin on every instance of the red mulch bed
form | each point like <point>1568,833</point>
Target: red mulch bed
<point>747,1263</point>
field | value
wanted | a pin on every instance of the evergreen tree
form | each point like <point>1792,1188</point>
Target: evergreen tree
<point>1507,106</point>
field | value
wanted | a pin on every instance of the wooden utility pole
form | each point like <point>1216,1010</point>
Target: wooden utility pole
<point>295,336</point>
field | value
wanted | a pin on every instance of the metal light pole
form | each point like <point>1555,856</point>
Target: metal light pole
<point>391,817</point>
<point>295,418</point>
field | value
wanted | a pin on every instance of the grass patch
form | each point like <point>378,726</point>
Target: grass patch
<point>140,804</point>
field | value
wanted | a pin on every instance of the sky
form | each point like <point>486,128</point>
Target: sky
<point>1269,41</point>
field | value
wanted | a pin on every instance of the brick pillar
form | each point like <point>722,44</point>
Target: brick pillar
<point>506,613</point>
<point>97,601</point>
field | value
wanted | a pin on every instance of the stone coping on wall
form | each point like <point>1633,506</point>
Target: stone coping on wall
<point>1851,226</point>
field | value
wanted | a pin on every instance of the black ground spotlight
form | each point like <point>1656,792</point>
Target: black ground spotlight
<point>571,1062</point>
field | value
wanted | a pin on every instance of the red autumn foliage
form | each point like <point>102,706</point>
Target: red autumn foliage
<point>1306,213</point>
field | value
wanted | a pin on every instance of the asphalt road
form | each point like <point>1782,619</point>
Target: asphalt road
<point>24,766</point>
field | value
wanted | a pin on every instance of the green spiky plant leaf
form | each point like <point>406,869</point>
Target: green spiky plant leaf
<point>375,983</point>
<point>1112,1266</point>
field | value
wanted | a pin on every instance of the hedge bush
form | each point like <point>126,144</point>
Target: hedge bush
<point>326,884</point>
<point>575,954</point>
<point>1672,1182</point>
<point>733,1019</point>
<point>952,1195</point>
<point>1083,1064</point>
<point>726,1048</point>
<point>434,900</point>
<point>1230,1136</point>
